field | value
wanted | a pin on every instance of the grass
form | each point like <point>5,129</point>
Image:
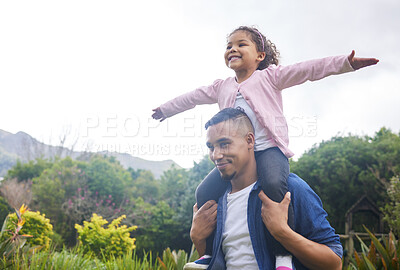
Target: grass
<point>75,259</point>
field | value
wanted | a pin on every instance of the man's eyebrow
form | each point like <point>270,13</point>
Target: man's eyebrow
<point>223,140</point>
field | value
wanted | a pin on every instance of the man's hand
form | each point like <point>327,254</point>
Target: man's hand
<point>275,215</point>
<point>313,255</point>
<point>203,224</point>
<point>357,62</point>
<point>158,114</point>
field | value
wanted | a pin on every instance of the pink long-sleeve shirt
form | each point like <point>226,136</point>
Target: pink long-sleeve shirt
<point>262,91</point>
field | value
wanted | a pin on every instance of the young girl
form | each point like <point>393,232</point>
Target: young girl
<point>256,89</point>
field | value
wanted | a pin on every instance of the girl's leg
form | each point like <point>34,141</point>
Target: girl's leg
<point>211,188</point>
<point>273,172</point>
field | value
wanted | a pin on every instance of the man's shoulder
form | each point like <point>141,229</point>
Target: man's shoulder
<point>300,191</point>
<point>295,182</point>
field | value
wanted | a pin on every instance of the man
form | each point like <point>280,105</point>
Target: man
<point>245,216</point>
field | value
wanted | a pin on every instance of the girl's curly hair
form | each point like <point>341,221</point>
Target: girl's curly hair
<point>271,53</point>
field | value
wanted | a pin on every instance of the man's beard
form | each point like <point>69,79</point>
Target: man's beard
<point>228,178</point>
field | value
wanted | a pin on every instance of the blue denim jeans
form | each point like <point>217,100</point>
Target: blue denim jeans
<point>272,170</point>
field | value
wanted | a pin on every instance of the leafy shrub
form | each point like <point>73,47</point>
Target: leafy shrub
<point>12,243</point>
<point>377,255</point>
<point>107,242</point>
<point>36,225</point>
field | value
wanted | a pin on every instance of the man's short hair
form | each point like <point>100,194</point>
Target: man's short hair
<point>237,115</point>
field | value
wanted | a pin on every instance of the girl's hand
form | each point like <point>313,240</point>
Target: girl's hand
<point>358,63</point>
<point>158,114</point>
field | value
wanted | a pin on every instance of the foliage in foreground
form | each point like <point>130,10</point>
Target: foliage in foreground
<point>12,243</point>
<point>377,256</point>
<point>76,259</point>
<point>112,246</point>
<point>36,225</point>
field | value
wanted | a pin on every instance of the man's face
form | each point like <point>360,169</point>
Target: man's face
<point>229,148</point>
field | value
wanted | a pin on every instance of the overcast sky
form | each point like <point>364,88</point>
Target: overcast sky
<point>96,69</point>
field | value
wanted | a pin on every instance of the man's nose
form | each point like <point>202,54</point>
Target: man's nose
<point>216,154</point>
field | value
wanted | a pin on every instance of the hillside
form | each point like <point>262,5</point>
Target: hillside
<point>24,147</point>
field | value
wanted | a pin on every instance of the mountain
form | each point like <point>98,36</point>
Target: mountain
<point>24,147</point>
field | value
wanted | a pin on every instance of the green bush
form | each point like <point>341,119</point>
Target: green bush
<point>112,241</point>
<point>36,225</point>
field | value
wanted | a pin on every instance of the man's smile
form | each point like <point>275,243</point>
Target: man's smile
<point>222,165</point>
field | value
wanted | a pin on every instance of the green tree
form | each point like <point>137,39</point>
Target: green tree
<point>146,187</point>
<point>392,208</point>
<point>343,169</point>
<point>29,170</point>
<point>184,210</point>
<point>173,185</point>
<point>53,187</point>
<point>163,209</point>
<point>157,228</point>
<point>106,176</point>
<point>386,153</point>
<point>135,173</point>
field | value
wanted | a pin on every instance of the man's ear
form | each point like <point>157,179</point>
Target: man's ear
<point>250,140</point>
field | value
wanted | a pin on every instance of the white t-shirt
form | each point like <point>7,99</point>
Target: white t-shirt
<point>263,139</point>
<point>236,242</point>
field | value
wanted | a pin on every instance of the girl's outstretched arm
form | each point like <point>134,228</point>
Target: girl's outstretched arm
<point>357,62</point>
<point>158,114</point>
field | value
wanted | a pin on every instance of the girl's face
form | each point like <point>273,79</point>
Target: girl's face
<point>241,53</point>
